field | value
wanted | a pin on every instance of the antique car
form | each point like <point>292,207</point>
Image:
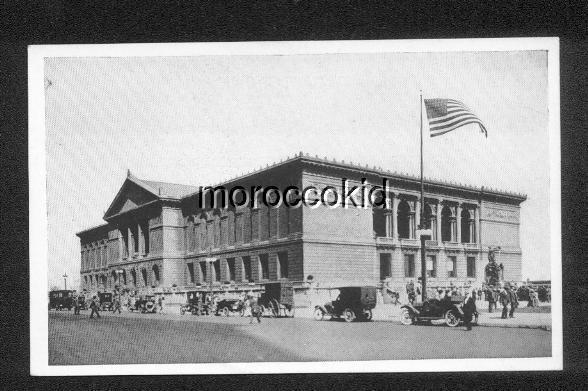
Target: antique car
<point>277,300</point>
<point>82,303</point>
<point>147,304</point>
<point>228,306</point>
<point>353,303</point>
<point>195,304</point>
<point>447,309</point>
<point>60,300</point>
<point>105,300</point>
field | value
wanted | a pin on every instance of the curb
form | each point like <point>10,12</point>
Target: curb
<point>518,326</point>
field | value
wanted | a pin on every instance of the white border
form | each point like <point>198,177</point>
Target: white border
<point>38,202</point>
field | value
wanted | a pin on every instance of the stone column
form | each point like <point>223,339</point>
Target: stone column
<point>458,222</point>
<point>395,203</point>
<point>389,225</point>
<point>130,244</point>
<point>141,239</point>
<point>417,213</point>
<point>438,227</point>
<point>477,225</point>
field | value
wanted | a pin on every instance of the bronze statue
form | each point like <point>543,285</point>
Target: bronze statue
<point>493,271</point>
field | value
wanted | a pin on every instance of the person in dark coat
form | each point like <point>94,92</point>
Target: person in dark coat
<point>94,308</point>
<point>514,302</point>
<point>505,301</point>
<point>469,309</point>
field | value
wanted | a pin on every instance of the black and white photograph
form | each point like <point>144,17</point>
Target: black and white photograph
<point>280,207</point>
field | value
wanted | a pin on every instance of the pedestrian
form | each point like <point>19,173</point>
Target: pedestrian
<point>531,302</point>
<point>94,308</point>
<point>469,310</point>
<point>160,304</point>
<point>410,292</point>
<point>514,302</point>
<point>480,294</point>
<point>505,301</point>
<point>116,304</point>
<point>76,305</point>
<point>255,311</point>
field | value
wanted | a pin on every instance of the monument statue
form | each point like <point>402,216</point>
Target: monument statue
<point>493,271</point>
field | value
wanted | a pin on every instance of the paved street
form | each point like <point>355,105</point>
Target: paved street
<point>152,338</point>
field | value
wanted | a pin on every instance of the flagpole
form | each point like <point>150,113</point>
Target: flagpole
<point>422,224</point>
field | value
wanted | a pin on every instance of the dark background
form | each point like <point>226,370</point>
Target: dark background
<point>61,22</point>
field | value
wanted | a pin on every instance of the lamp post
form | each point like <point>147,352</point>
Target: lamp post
<point>65,280</point>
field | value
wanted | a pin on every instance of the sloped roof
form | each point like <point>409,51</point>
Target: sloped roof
<point>170,190</point>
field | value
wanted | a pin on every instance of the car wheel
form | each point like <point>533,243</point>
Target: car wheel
<point>406,317</point>
<point>182,311</point>
<point>318,314</point>
<point>451,318</point>
<point>367,315</point>
<point>290,311</point>
<point>348,315</point>
<point>226,311</point>
<point>242,312</point>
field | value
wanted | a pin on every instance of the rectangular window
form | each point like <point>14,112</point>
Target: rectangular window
<point>385,266</point>
<point>135,233</point>
<point>408,265</point>
<point>231,269</point>
<point>471,267</point>
<point>264,265</point>
<point>196,235</point>
<point>217,270</point>
<point>216,228</point>
<point>283,263</point>
<point>191,272</point>
<point>246,269</point>
<point>452,266</point>
<point>431,266</point>
<point>224,231</point>
<point>202,272</point>
<point>145,230</point>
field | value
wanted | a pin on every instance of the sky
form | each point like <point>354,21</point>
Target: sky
<point>200,120</point>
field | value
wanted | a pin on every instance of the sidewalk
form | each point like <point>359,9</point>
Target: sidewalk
<point>391,313</point>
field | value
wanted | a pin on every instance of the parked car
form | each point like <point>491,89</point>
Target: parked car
<point>277,299</point>
<point>105,299</point>
<point>353,303</point>
<point>227,307</point>
<point>148,304</point>
<point>447,309</point>
<point>60,300</point>
<point>195,304</point>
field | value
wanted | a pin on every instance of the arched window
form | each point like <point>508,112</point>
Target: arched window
<point>114,279</point>
<point>104,281</point>
<point>190,234</point>
<point>446,224</point>
<point>465,226</point>
<point>144,275</point>
<point>403,220</point>
<point>134,277</point>
<point>156,274</point>
<point>428,216</point>
<point>124,277</point>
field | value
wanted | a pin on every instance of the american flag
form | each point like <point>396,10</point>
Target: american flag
<point>445,115</point>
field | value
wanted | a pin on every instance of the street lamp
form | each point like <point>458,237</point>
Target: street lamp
<point>65,280</point>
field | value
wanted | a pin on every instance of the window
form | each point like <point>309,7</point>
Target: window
<point>385,266</point>
<point>124,277</point>
<point>196,236</point>
<point>465,226</point>
<point>135,233</point>
<point>379,222</point>
<point>203,272</point>
<point>264,265</point>
<point>216,228</point>
<point>191,273</point>
<point>239,228</point>
<point>446,222</point>
<point>125,239</point>
<point>408,265</point>
<point>451,267</point>
<point>144,275</point>
<point>283,262</point>
<point>403,220</point>
<point>431,266</point>
<point>247,269</point>
<point>471,267</point>
<point>134,277</point>
<point>231,269</point>
<point>216,268</point>
<point>156,274</point>
<point>224,231</point>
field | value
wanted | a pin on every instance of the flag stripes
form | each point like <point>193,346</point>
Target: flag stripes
<point>445,115</point>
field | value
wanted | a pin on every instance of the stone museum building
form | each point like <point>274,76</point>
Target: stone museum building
<point>160,235</point>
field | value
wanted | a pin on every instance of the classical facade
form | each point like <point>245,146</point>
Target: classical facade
<point>159,235</point>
